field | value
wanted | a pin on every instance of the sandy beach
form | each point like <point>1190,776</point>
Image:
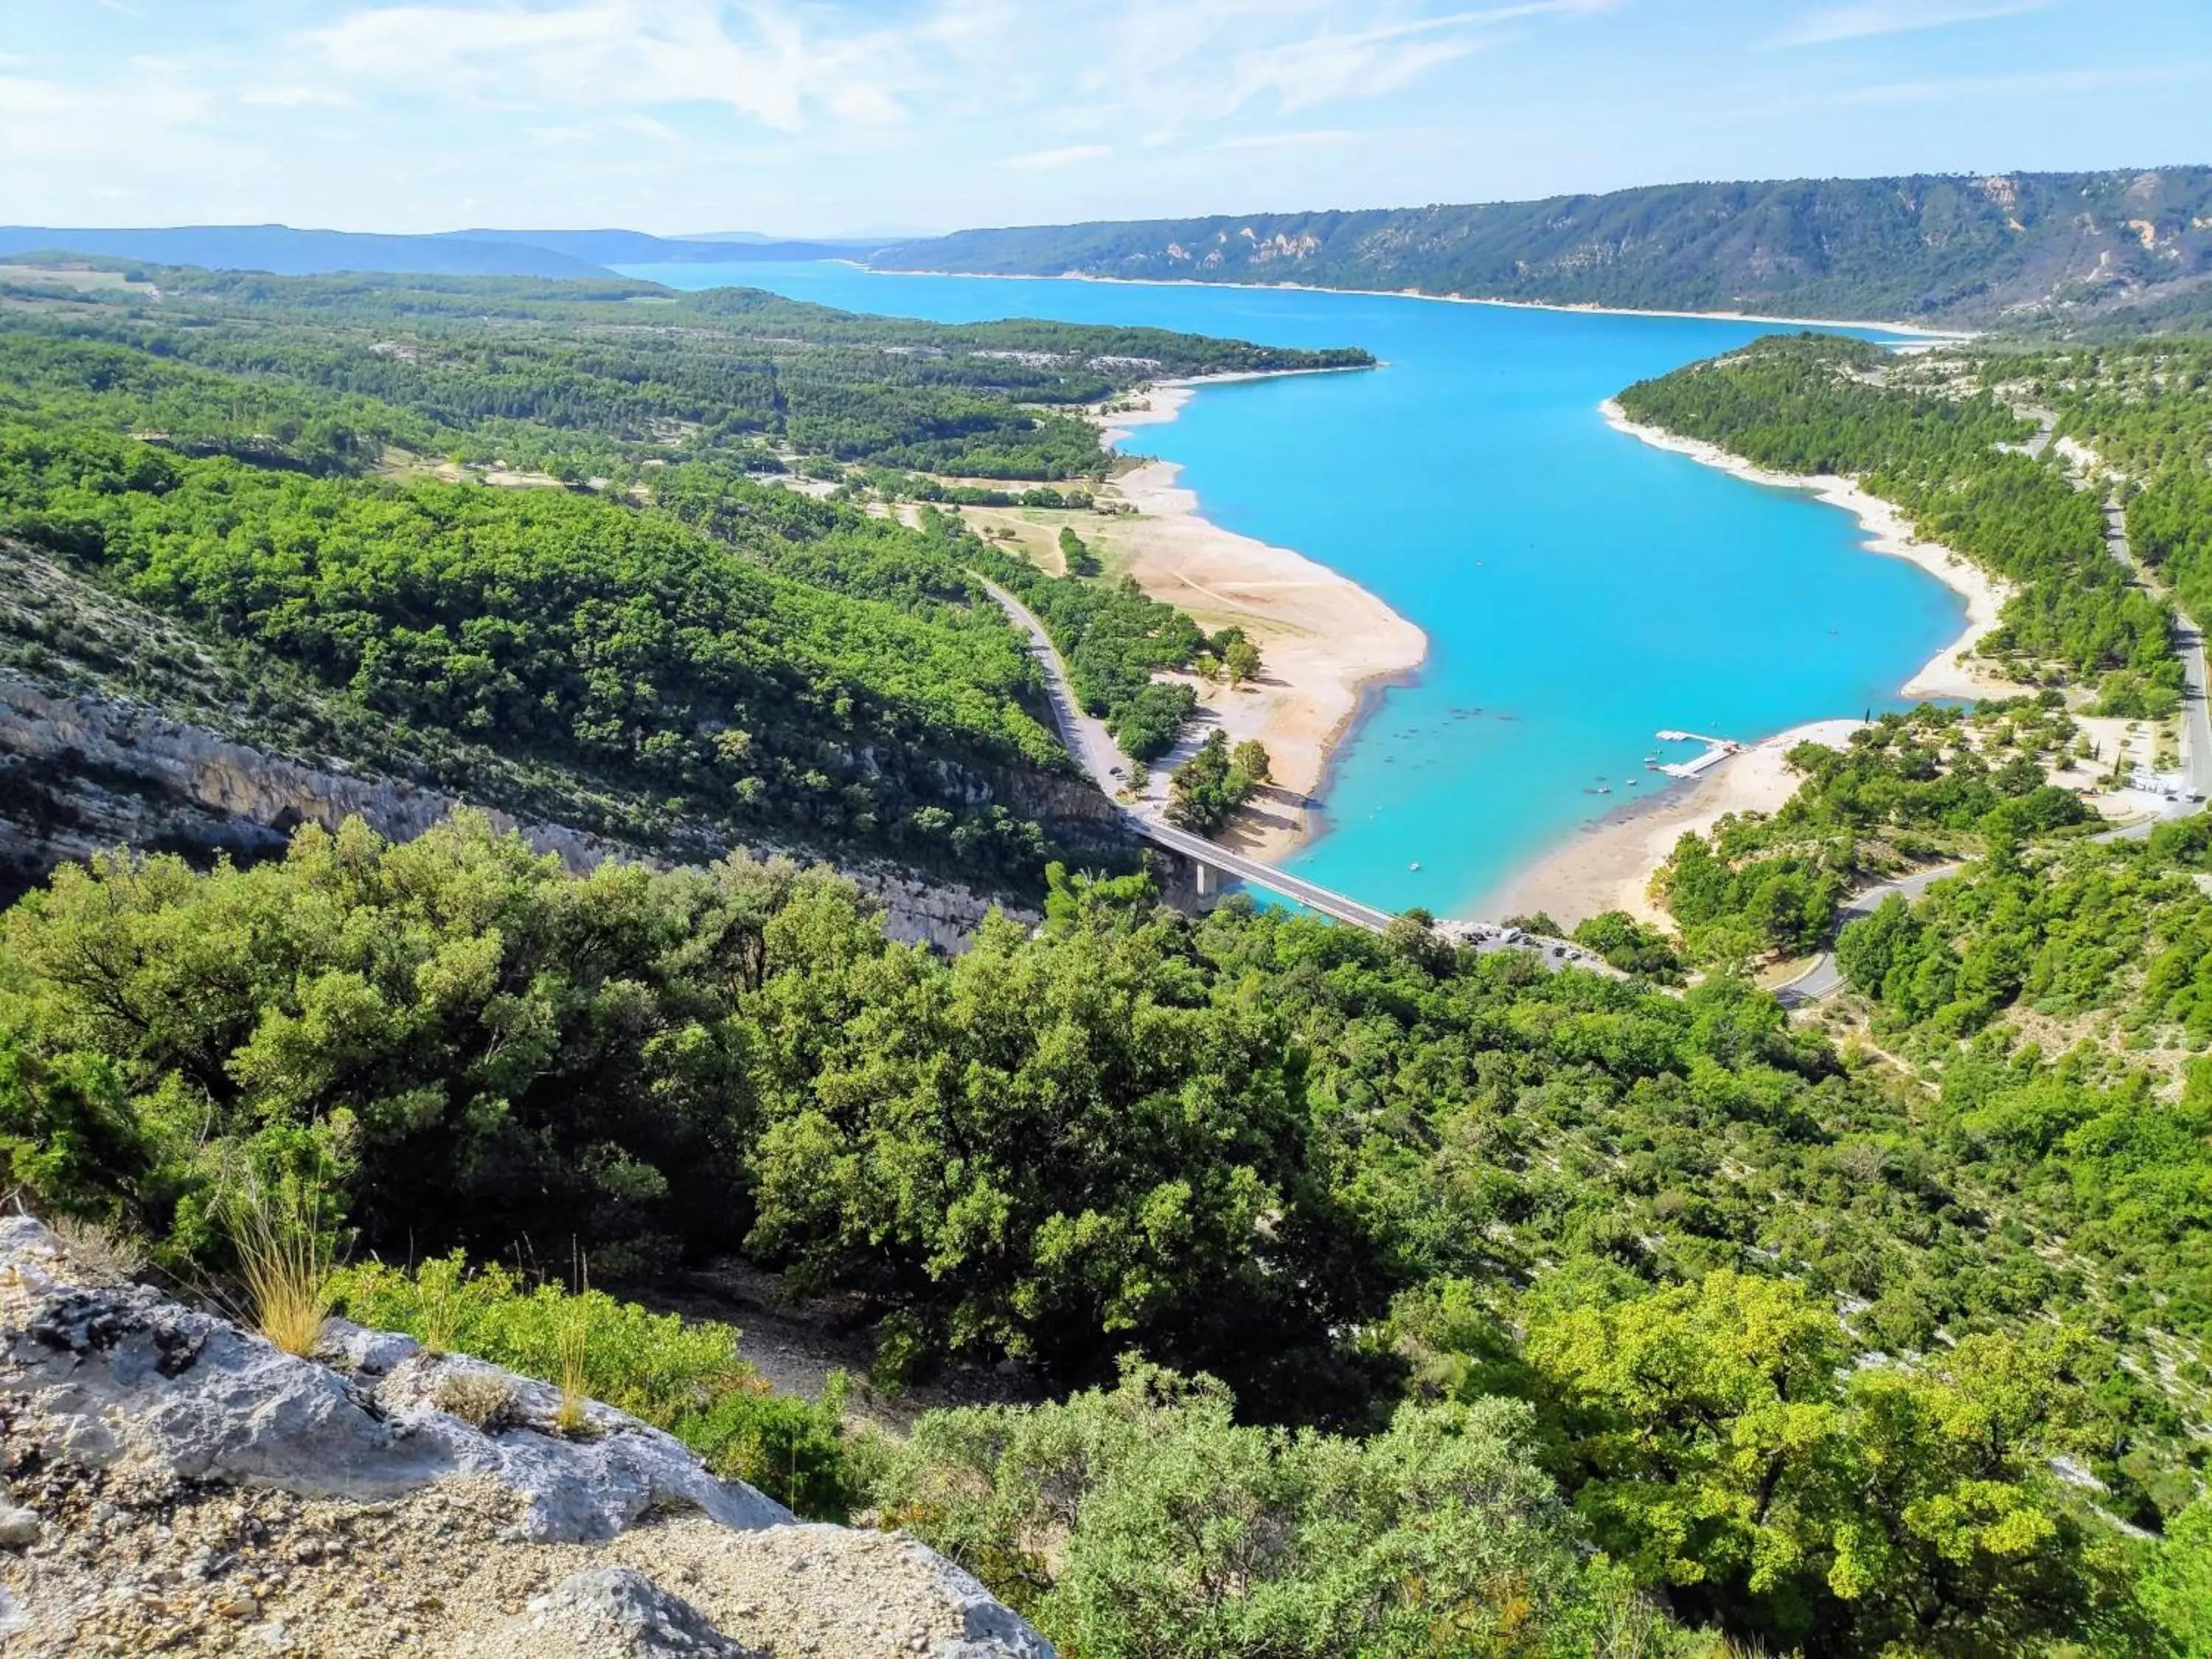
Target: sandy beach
<point>1954,671</point>
<point>1609,865</point>
<point>1323,640</point>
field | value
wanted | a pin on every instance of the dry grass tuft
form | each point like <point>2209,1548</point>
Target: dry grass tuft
<point>572,1347</point>
<point>440,1279</point>
<point>101,1254</point>
<point>286,1259</point>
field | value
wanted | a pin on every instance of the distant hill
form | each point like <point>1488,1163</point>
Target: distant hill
<point>1932,249</point>
<point>636,247</point>
<point>288,252</point>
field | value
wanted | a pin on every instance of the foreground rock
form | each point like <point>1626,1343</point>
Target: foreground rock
<point>177,1484</point>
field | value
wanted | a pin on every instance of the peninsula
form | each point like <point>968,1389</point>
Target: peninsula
<point>1325,643</point>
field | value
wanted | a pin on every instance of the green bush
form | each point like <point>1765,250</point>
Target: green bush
<point>686,1376</point>
<point>1146,1521</point>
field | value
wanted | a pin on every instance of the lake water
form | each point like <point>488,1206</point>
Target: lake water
<point>1580,590</point>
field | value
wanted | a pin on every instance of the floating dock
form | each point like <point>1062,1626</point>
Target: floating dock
<point>1716,750</point>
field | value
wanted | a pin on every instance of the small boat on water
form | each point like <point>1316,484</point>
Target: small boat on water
<point>1415,865</point>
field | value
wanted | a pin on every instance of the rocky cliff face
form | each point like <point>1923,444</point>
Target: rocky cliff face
<point>177,1484</point>
<point>82,774</point>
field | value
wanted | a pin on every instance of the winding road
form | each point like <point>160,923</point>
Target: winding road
<point>1823,979</point>
<point>1096,752</point>
<point>2189,645</point>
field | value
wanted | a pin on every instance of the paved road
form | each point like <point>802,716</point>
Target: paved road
<point>1085,736</point>
<point>2189,645</point>
<point>1094,751</point>
<point>1823,978</point>
<point>2196,710</point>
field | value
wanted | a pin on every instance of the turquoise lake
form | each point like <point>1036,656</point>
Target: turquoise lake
<point>1580,589</point>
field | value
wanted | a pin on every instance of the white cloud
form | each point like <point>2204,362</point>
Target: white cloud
<point>1946,89</point>
<point>2024,89</point>
<point>145,134</point>
<point>631,125</point>
<point>769,67</point>
<point>1875,17</point>
<point>795,67</point>
<point>1048,161</point>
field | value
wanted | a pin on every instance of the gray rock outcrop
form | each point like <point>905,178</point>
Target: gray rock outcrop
<point>125,1374</point>
<point>171,1472</point>
<point>84,775</point>
<point>608,1613</point>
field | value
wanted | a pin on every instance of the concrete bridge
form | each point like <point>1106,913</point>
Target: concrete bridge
<point>1100,757</point>
<point>1216,861</point>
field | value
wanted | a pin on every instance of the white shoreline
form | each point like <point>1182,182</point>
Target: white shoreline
<point>1917,329</point>
<point>1123,423</point>
<point>1609,864</point>
<point>1946,674</point>
<point>1328,643</point>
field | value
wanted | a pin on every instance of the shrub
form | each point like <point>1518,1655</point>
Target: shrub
<point>482,1397</point>
<point>1147,1521</point>
<point>683,1375</point>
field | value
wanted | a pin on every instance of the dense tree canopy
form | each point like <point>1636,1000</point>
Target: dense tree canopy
<point>1954,463</point>
<point>1320,1164</point>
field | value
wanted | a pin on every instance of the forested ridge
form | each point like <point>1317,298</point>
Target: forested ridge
<point>2118,250</point>
<point>1953,460</point>
<point>254,458</point>
<point>596,378</point>
<point>2009,458</point>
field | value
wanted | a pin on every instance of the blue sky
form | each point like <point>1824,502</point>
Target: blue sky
<point>798,118</point>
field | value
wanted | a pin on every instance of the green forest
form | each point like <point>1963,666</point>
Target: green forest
<point>694,648</point>
<point>1345,1292</point>
<point>1953,462</point>
<point>1943,435</point>
<point>1563,1264</point>
<point>597,378</point>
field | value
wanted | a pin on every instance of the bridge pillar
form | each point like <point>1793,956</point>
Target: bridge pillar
<point>1209,881</point>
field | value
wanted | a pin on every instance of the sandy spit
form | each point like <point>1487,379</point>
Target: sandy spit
<point>1610,863</point>
<point>1325,643</point>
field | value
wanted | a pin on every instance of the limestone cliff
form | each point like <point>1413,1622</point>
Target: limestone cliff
<point>84,775</point>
